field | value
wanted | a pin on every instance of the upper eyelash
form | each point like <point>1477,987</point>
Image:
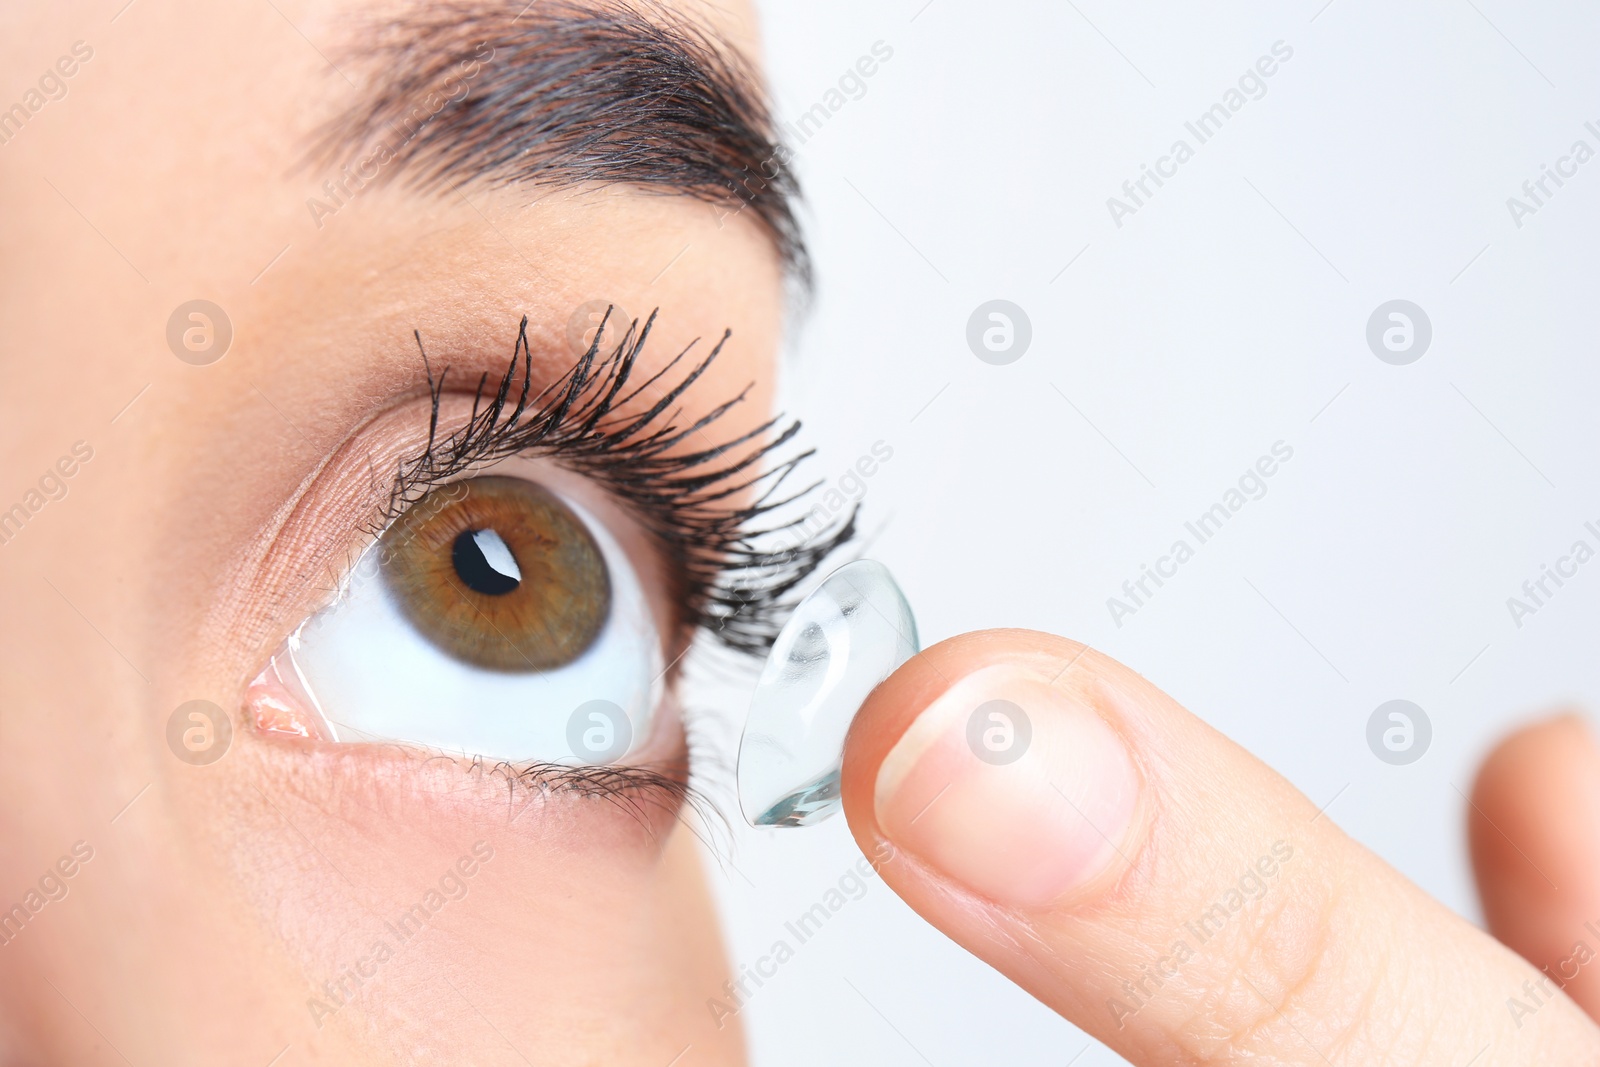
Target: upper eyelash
<point>732,581</point>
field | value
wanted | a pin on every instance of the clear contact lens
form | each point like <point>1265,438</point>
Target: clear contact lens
<point>843,639</point>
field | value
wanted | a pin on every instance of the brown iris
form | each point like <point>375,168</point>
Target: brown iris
<point>499,573</point>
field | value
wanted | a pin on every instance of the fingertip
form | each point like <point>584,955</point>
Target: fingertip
<point>896,703</point>
<point>1544,764</point>
<point>994,771</point>
<point>1533,831</point>
<point>1533,741</point>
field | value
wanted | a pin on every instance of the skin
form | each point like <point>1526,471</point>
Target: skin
<point>216,509</point>
<point>214,515</point>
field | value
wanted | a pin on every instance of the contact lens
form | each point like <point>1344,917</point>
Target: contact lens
<point>843,639</point>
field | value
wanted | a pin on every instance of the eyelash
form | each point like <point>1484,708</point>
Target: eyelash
<point>732,580</point>
<point>634,790</point>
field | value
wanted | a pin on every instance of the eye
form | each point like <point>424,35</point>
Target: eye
<point>493,618</point>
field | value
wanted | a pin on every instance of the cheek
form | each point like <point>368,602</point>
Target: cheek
<point>581,907</point>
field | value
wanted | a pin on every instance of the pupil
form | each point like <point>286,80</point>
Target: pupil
<point>484,563</point>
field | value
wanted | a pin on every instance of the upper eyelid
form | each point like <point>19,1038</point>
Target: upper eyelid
<point>743,563</point>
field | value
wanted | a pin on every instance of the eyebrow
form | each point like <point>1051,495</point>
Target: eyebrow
<point>561,93</point>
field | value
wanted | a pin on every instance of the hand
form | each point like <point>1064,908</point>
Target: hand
<point>1165,891</point>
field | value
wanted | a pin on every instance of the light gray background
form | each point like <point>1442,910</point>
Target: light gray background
<point>1228,313</point>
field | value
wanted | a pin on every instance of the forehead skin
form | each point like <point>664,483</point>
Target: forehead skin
<point>222,898</point>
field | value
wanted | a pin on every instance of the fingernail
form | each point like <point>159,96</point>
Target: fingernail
<point>1011,787</point>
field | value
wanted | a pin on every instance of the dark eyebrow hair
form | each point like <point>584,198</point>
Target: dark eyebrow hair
<point>558,92</point>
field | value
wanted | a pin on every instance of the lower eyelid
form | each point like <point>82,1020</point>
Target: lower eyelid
<point>276,710</point>
<point>398,786</point>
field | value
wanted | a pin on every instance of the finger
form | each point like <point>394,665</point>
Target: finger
<point>1061,818</point>
<point>1534,829</point>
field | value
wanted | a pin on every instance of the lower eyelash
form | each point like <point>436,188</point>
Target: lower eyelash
<point>633,789</point>
<point>734,580</point>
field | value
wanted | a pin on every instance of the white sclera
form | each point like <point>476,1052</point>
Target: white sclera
<point>843,639</point>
